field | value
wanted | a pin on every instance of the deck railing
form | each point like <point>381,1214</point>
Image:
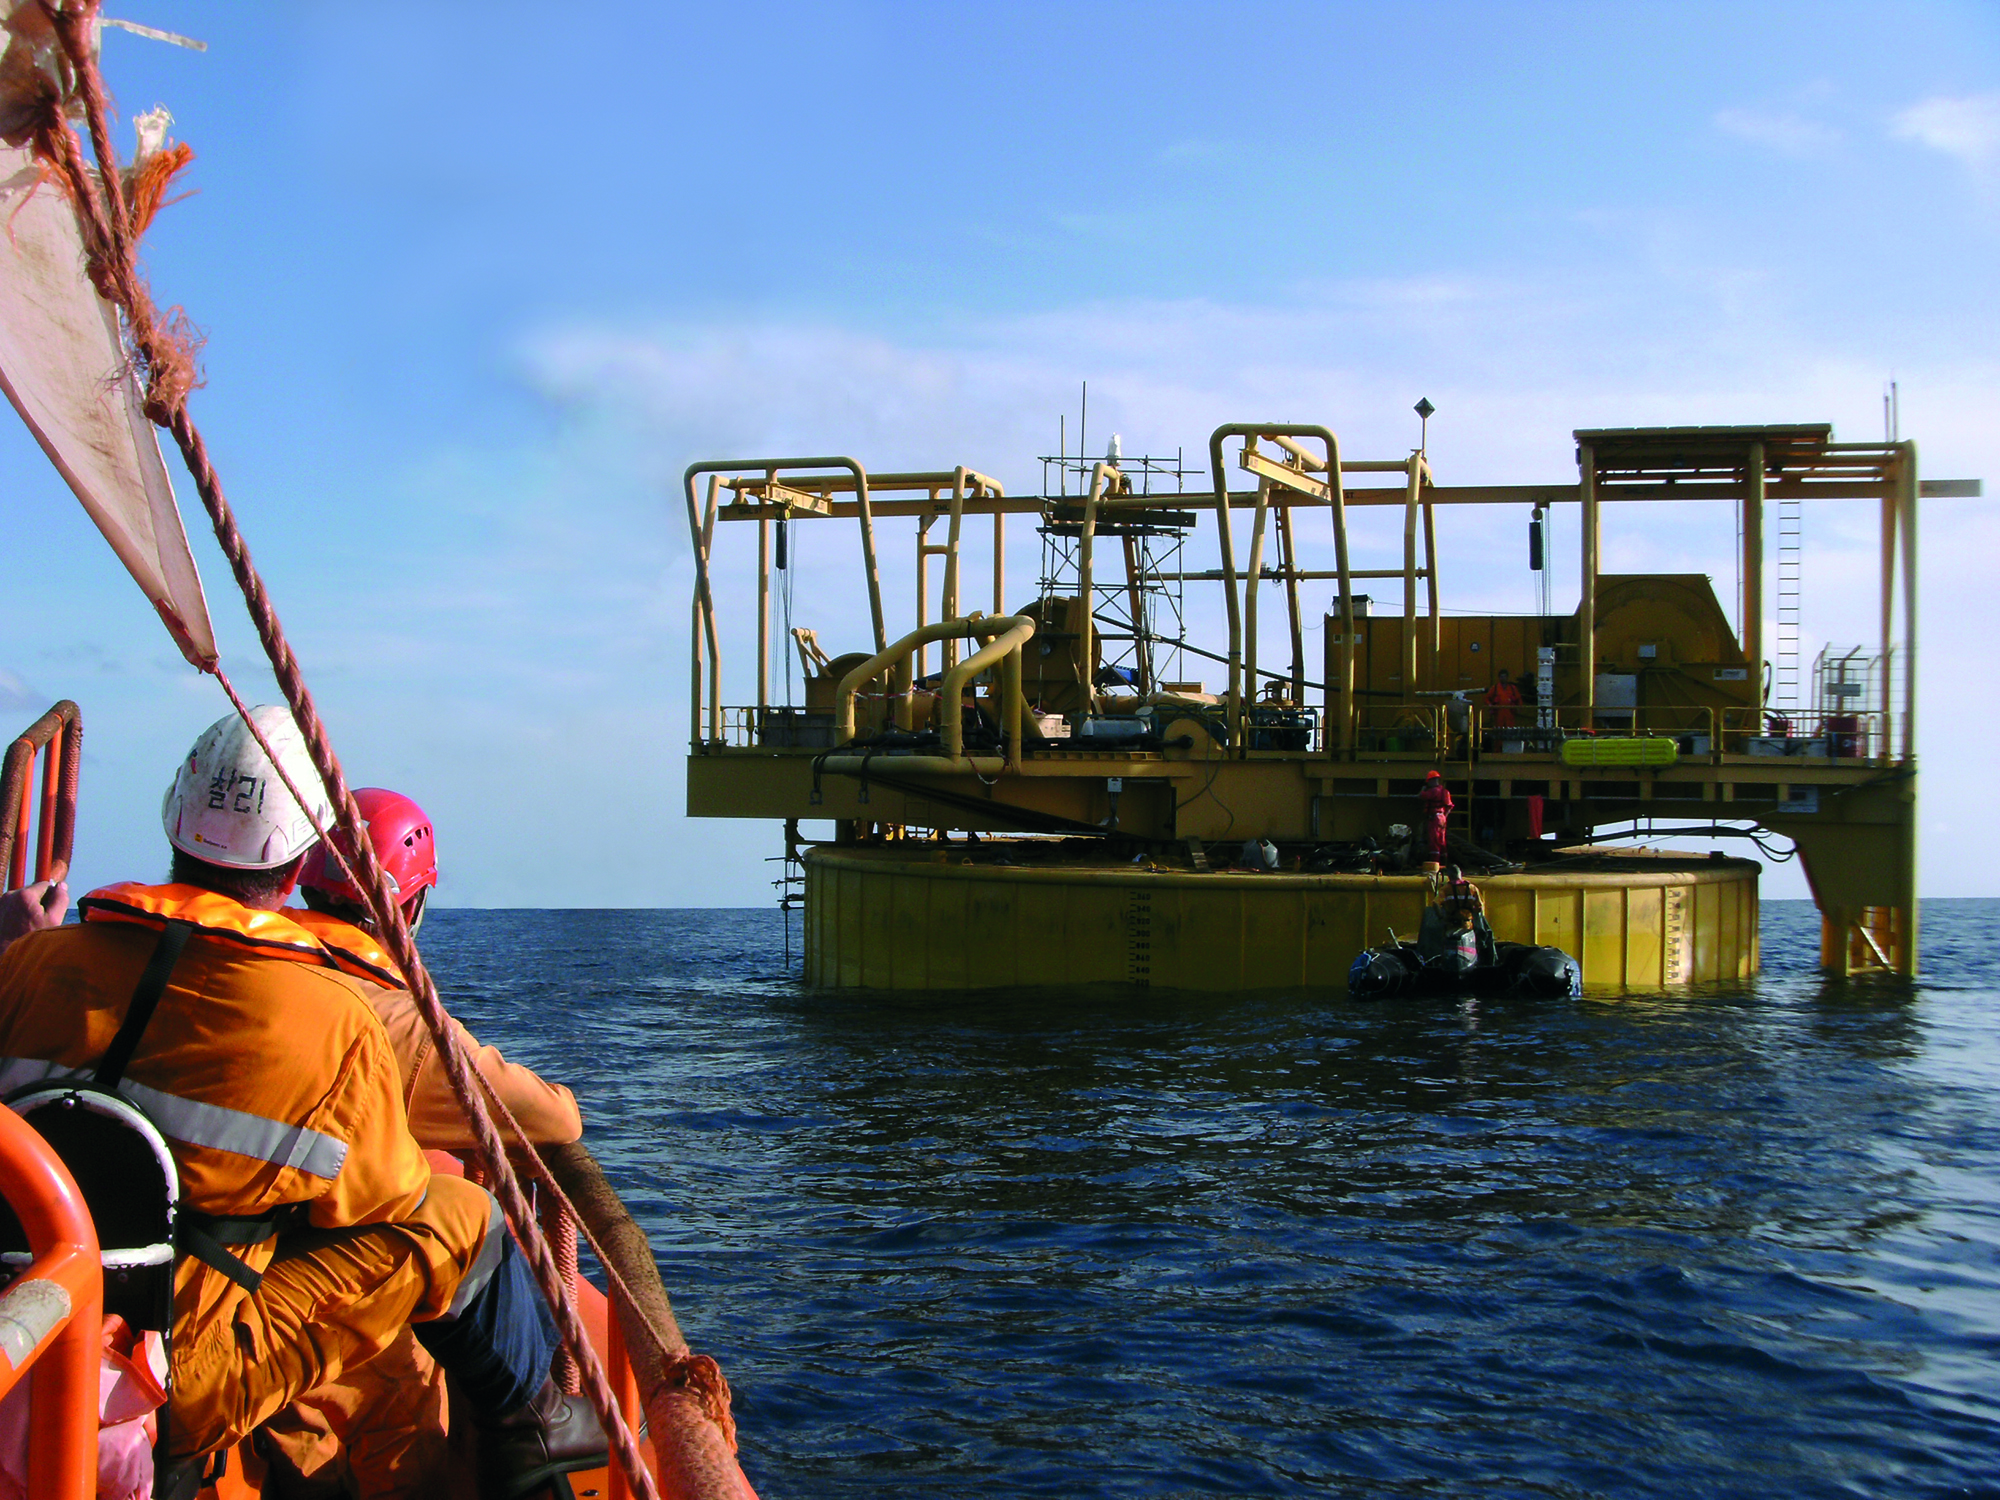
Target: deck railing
<point>56,739</point>
<point>1702,733</point>
<point>52,1314</point>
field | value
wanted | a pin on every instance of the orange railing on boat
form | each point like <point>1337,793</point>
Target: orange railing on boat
<point>52,1315</point>
<point>56,738</point>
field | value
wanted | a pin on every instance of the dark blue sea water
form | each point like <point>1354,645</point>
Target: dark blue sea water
<point>1740,1242</point>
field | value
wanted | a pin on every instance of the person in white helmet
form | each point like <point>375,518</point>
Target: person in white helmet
<point>312,1230</point>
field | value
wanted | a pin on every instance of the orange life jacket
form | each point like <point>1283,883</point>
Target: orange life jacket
<point>264,1066</point>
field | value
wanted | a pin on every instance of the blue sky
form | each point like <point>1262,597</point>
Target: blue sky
<point>477,284</point>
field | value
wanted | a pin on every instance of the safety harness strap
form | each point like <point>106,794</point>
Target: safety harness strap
<point>247,1229</point>
<point>205,1248</point>
<point>145,1000</point>
<point>202,1235</point>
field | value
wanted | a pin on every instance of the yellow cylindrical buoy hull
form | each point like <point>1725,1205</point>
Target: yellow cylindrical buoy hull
<point>910,916</point>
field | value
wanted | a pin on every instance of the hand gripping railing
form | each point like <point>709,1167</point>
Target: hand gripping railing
<point>58,737</point>
<point>52,1316</point>
<point>1005,635</point>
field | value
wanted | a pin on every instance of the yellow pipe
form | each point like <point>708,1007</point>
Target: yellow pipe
<point>898,656</point>
<point>1410,580</point>
<point>704,599</point>
<point>1085,675</point>
<point>1251,575</point>
<point>1336,493</point>
<point>1015,631</point>
<point>703,534</point>
<point>999,558</point>
<point>1586,458</point>
<point>1888,603</point>
<point>1906,521</point>
<point>1752,605</point>
<point>917,765</point>
<point>868,554</point>
<point>948,607</point>
<point>1313,464</point>
<point>1431,577</point>
<point>763,618</point>
<point>694,708</point>
<point>1290,552</point>
<point>708,610</point>
<point>924,551</point>
<point>1233,689</point>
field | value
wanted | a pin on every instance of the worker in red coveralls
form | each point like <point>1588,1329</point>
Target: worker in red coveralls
<point>1435,802</point>
<point>1503,698</point>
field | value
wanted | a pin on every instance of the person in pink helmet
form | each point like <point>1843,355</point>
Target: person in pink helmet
<point>381,1428</point>
<point>407,847</point>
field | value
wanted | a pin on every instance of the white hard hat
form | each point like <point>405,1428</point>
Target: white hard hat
<point>227,805</point>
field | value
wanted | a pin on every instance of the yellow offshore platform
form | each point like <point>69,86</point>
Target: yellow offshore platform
<point>1121,794</point>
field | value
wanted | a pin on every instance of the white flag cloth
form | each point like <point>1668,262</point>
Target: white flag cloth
<point>65,368</point>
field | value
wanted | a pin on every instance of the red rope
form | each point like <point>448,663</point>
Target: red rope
<point>165,352</point>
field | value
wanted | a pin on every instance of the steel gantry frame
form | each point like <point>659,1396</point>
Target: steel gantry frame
<point>1857,841</point>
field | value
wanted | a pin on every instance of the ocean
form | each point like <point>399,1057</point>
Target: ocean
<point>1743,1241</point>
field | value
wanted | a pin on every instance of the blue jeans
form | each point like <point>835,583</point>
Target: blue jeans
<point>500,1346</point>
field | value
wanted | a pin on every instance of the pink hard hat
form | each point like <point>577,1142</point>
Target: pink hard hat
<point>401,834</point>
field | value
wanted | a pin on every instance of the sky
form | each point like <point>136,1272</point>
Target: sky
<point>477,284</point>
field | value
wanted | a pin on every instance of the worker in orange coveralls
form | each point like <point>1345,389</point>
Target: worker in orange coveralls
<point>1435,802</point>
<point>1503,698</point>
<point>382,1428</point>
<point>314,1231</point>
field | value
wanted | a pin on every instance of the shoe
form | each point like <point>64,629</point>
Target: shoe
<point>553,1434</point>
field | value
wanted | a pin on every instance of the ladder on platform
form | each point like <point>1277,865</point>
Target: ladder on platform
<point>1791,525</point>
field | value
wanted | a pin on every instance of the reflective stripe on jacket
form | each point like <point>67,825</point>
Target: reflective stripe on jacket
<point>547,1111</point>
<point>264,1066</point>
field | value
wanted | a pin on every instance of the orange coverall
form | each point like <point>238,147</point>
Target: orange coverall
<point>275,1085</point>
<point>547,1111</point>
<point>387,1420</point>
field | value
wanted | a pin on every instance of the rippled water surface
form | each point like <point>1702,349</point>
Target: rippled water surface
<point>1736,1242</point>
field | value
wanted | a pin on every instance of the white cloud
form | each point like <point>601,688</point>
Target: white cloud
<point>1967,128</point>
<point>1783,131</point>
<point>17,696</point>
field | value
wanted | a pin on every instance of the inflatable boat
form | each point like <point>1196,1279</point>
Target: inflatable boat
<point>1396,971</point>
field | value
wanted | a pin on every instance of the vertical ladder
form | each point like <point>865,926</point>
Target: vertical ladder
<point>1790,530</point>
